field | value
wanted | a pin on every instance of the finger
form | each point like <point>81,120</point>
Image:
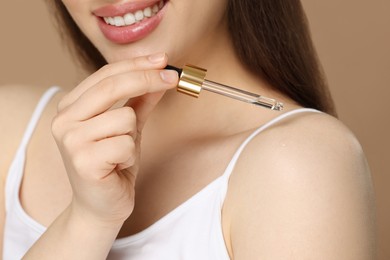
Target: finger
<point>112,123</point>
<point>102,157</point>
<point>143,106</point>
<point>154,61</point>
<point>107,92</point>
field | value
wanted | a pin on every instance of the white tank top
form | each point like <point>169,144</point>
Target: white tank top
<point>193,230</point>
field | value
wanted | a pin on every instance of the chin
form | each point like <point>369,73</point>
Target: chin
<point>115,53</point>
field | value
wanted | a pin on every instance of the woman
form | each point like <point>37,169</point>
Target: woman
<point>211,178</point>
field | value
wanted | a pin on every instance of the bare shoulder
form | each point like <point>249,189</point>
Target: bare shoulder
<point>17,103</point>
<point>302,189</point>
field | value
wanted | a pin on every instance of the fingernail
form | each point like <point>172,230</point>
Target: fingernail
<point>169,76</point>
<point>157,57</point>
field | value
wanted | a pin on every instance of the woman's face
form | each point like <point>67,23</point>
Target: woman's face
<point>130,28</point>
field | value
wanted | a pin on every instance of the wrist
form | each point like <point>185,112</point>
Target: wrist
<point>77,215</point>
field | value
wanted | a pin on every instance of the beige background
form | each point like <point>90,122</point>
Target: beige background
<point>352,38</point>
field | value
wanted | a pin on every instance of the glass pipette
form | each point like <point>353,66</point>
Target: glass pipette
<point>192,81</point>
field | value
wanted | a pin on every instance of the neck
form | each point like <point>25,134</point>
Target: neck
<point>212,114</point>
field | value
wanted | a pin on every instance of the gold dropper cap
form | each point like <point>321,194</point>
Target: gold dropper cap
<point>191,80</point>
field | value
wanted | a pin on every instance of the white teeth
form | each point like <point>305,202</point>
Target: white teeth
<point>119,21</point>
<point>111,20</point>
<point>131,18</point>
<point>139,15</point>
<point>155,8</point>
<point>148,12</point>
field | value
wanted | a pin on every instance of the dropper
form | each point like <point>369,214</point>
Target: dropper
<point>192,81</point>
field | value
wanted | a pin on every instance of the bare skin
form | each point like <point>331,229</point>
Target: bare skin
<point>279,183</point>
<point>300,190</point>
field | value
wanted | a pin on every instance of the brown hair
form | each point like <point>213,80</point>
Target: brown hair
<point>271,37</point>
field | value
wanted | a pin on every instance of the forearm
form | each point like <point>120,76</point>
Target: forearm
<point>74,236</point>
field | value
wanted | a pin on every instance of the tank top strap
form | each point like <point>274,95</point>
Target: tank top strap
<point>46,97</point>
<point>270,123</point>
<point>16,170</point>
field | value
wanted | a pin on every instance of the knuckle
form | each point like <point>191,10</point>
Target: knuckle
<point>57,126</point>
<point>128,112</point>
<point>70,139</point>
<point>128,115</point>
<point>128,149</point>
<point>131,160</point>
<point>80,163</point>
<point>146,77</point>
<point>131,147</point>
<point>128,145</point>
<point>128,119</point>
<point>107,87</point>
<point>62,103</point>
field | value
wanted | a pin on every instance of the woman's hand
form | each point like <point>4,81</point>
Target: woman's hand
<point>100,145</point>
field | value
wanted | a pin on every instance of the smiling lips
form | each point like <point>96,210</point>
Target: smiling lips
<point>130,22</point>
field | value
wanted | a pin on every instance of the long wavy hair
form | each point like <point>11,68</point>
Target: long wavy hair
<point>271,37</point>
